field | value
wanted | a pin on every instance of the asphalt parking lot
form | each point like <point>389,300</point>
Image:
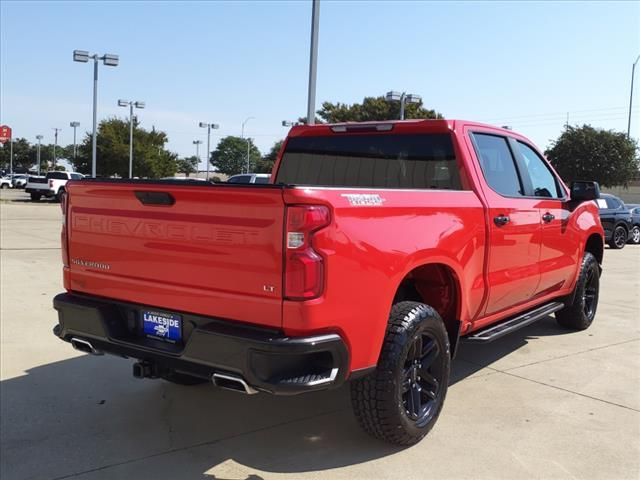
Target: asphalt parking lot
<point>542,403</point>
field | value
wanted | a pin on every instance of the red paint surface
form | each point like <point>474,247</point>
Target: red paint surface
<point>218,251</point>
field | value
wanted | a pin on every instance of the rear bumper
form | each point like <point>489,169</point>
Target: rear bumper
<point>42,191</point>
<point>265,359</point>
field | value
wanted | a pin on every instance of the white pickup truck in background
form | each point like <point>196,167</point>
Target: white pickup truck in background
<point>53,185</point>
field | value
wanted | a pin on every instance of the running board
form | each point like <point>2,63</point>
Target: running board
<point>505,327</point>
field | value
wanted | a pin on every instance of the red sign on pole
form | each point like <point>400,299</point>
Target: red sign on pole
<point>5,134</point>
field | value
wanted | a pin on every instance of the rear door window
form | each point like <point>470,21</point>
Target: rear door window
<point>498,164</point>
<point>261,180</point>
<point>411,161</point>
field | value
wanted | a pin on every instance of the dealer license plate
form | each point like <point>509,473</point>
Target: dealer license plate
<point>162,325</point>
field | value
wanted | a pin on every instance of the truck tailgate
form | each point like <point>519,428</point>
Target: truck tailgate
<point>214,250</point>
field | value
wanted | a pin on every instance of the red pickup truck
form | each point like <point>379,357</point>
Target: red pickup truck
<point>375,249</point>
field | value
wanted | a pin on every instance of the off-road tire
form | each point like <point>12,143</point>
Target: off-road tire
<point>580,314</point>
<point>618,238</point>
<point>183,379</point>
<point>377,399</point>
<point>60,194</point>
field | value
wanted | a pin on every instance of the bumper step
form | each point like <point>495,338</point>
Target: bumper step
<point>512,324</point>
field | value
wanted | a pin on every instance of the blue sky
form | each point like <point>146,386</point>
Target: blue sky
<point>507,63</point>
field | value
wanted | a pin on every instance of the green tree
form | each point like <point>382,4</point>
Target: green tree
<point>265,164</point>
<point>150,158</point>
<point>230,156</point>
<point>21,154</point>
<point>372,109</point>
<point>587,153</point>
<point>188,165</point>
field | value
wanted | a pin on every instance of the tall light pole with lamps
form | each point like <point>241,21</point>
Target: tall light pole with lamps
<point>130,104</point>
<point>403,98</point>
<point>208,126</point>
<point>197,143</point>
<point>248,144</point>
<point>39,138</point>
<point>111,61</point>
<point>74,125</point>
<point>633,72</point>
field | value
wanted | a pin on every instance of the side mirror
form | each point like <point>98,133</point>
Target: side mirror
<point>584,191</point>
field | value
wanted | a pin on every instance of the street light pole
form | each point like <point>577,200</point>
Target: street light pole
<point>313,63</point>
<point>130,104</point>
<point>208,126</point>
<point>55,144</point>
<point>248,144</point>
<point>39,137</point>
<point>633,72</point>
<point>403,98</point>
<point>74,125</point>
<point>197,144</point>
<point>111,61</point>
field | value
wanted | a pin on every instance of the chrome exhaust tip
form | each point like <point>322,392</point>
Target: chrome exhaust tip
<point>232,382</point>
<point>84,346</point>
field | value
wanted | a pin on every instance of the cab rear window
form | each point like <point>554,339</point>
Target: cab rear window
<point>414,161</point>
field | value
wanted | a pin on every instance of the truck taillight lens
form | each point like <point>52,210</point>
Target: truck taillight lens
<point>64,200</point>
<point>50,183</point>
<point>304,267</point>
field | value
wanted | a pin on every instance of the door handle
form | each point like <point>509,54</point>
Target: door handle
<point>501,220</point>
<point>547,217</point>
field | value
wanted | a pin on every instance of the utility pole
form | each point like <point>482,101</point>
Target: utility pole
<point>313,62</point>
<point>11,154</point>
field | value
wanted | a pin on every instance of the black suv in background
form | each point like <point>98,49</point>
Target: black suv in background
<point>634,235</point>
<point>616,220</point>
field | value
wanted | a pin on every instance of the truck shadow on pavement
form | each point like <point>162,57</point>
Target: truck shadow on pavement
<point>87,416</point>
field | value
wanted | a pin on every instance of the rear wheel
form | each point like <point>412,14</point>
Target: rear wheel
<point>401,400</point>
<point>5,185</point>
<point>580,314</point>
<point>60,194</point>
<point>618,238</point>
<point>634,236</point>
<point>35,197</point>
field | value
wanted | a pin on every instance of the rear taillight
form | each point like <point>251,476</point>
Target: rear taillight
<point>50,183</point>
<point>304,267</point>
<point>64,240</point>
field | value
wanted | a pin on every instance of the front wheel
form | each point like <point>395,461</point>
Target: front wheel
<point>634,236</point>
<point>580,314</point>
<point>618,238</point>
<point>4,185</point>
<point>401,400</point>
